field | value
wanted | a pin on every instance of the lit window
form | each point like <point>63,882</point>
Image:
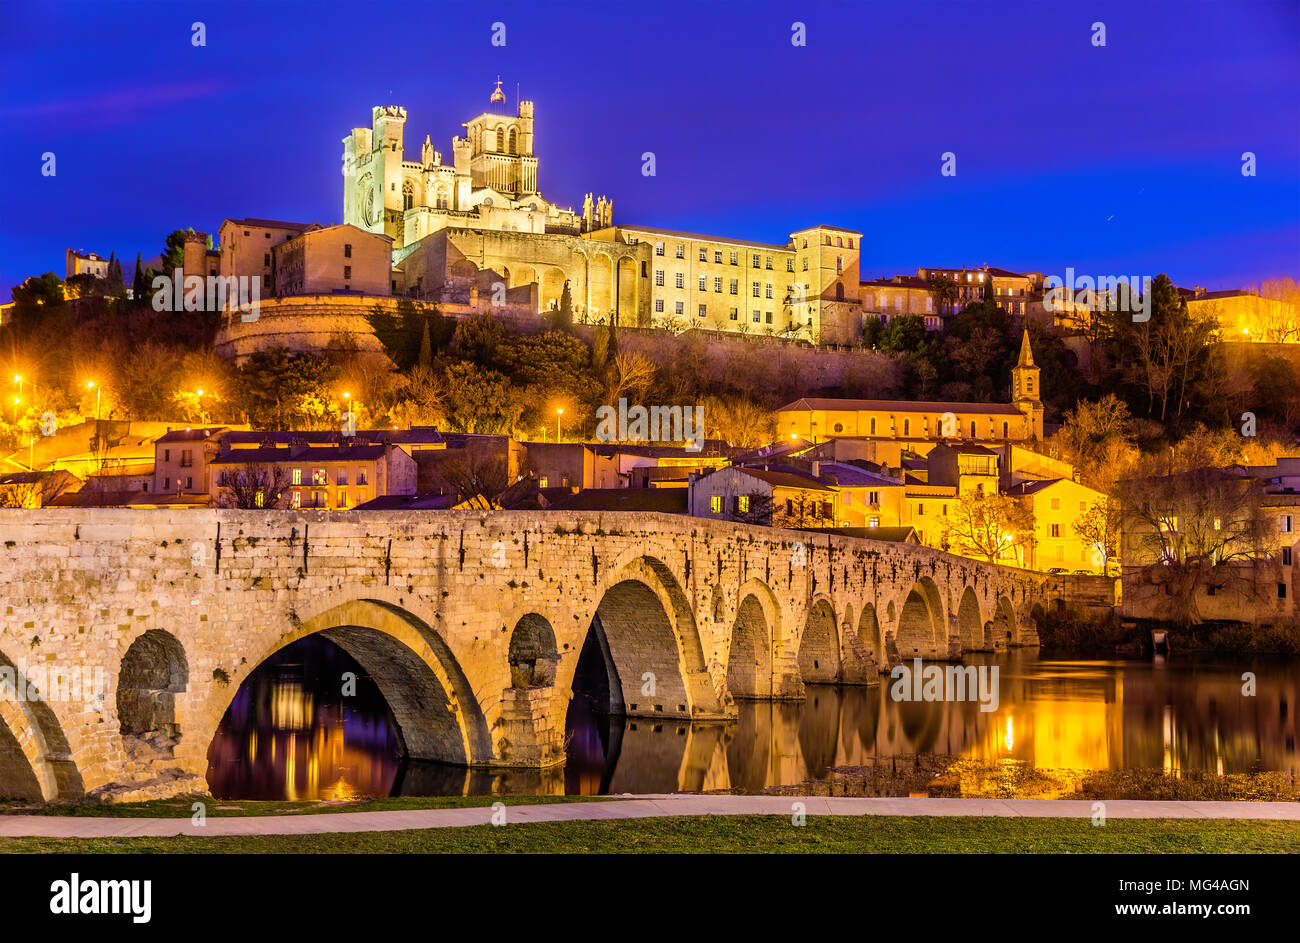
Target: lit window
<point>715,504</point>
<point>297,476</point>
<point>742,503</point>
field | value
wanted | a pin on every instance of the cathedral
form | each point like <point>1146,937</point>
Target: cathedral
<point>491,182</point>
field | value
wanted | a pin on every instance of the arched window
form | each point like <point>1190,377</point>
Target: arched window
<point>501,140</point>
<point>972,428</point>
<point>442,202</point>
<point>513,142</point>
<point>408,195</point>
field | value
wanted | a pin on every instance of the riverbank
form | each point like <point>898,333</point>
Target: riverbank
<point>1077,632</point>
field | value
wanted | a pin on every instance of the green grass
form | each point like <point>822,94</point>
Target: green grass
<point>182,806</point>
<point>745,834</point>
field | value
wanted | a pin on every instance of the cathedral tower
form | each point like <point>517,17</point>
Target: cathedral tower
<point>501,148</point>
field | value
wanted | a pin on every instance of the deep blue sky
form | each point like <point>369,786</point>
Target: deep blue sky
<point>1117,160</point>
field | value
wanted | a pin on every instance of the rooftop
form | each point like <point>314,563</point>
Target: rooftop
<point>828,404</point>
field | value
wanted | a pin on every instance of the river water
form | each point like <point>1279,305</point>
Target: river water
<point>290,734</point>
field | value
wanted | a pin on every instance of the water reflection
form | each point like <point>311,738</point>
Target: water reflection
<point>1083,715</point>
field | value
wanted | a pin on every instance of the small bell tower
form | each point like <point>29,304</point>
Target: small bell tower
<point>1025,391</point>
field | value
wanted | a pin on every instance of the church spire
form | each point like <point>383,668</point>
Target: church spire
<point>1026,352</point>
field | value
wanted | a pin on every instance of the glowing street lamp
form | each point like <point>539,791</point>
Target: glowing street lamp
<point>17,400</point>
<point>351,428</point>
<point>558,414</point>
<point>90,385</point>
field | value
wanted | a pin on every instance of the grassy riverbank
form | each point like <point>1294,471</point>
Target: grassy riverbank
<point>743,835</point>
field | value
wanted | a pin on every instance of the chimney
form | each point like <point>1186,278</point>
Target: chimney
<point>816,468</point>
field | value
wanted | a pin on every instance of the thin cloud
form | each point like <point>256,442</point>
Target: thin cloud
<point>120,106</point>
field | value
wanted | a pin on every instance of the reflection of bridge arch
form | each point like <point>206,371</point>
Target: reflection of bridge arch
<point>436,712</point>
<point>922,628</point>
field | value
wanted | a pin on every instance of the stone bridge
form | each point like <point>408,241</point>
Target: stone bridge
<point>470,623</point>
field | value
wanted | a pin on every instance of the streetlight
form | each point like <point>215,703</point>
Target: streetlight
<point>90,385</point>
<point>348,399</point>
<point>198,399</point>
<point>16,402</point>
<point>558,414</point>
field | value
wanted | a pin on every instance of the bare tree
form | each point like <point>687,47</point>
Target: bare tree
<point>1189,531</point>
<point>476,475</point>
<point>254,485</point>
<point>987,525</point>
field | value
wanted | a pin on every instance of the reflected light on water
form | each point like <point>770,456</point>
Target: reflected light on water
<point>1052,715</point>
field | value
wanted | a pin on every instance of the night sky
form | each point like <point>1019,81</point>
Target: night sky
<point>1123,159</point>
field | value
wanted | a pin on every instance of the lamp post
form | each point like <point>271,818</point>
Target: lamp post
<point>198,399</point>
<point>90,385</point>
<point>16,402</point>
<point>558,414</point>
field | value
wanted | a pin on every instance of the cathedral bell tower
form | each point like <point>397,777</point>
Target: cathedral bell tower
<point>1025,390</point>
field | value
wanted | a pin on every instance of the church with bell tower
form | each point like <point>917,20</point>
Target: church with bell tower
<point>1025,388</point>
<point>490,182</point>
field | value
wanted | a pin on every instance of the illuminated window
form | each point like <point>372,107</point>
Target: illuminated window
<point>715,504</point>
<point>297,499</point>
<point>297,476</point>
<point>742,503</point>
<point>318,477</point>
<point>259,499</point>
<point>343,498</point>
<point>873,522</point>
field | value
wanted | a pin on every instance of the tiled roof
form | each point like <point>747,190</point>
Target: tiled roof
<point>898,406</point>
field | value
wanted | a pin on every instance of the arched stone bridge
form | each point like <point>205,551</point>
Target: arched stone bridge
<point>470,623</point>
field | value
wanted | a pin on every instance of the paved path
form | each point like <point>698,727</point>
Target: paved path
<point>639,807</point>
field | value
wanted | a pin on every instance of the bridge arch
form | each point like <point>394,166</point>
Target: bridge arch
<point>819,645</point>
<point>1002,630</point>
<point>646,628</point>
<point>922,629</point>
<point>438,717</point>
<point>34,753</point>
<point>749,659</point>
<point>970,627</point>
<point>869,632</point>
